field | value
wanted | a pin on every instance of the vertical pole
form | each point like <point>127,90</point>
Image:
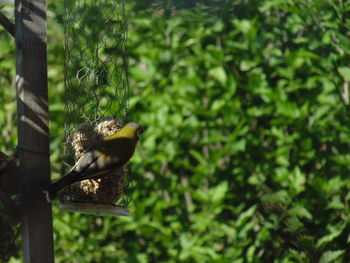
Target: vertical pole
<point>33,131</point>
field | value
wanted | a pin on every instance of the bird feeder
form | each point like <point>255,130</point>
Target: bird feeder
<point>95,196</point>
<point>96,85</point>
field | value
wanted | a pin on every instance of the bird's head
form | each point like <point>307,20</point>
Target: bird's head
<point>133,129</point>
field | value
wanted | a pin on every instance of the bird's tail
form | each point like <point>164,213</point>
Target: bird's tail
<point>52,190</point>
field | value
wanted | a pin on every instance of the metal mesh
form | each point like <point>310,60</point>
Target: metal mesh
<point>96,83</point>
<point>95,61</point>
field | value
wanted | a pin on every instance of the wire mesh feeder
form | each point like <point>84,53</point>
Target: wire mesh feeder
<point>96,80</point>
<point>96,85</point>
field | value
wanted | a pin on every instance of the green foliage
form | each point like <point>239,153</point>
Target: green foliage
<point>7,90</point>
<point>245,157</point>
<point>246,115</point>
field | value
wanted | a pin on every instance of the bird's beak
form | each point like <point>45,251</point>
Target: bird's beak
<point>139,131</point>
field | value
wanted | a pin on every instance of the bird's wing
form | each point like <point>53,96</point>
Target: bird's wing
<point>85,161</point>
<point>103,157</point>
<point>94,164</point>
<point>91,165</point>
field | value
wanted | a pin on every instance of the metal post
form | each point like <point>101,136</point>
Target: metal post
<point>33,131</point>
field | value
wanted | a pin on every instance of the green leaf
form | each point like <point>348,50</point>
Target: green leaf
<point>300,212</point>
<point>331,255</point>
<point>281,197</point>
<point>218,193</point>
<point>344,72</point>
<point>328,238</point>
<point>245,216</point>
<point>219,74</point>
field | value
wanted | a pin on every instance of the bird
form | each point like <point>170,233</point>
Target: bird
<point>101,158</point>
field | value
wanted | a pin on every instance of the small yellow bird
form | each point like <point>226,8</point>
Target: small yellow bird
<point>102,158</point>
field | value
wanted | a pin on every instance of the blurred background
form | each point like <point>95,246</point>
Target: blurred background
<point>245,157</point>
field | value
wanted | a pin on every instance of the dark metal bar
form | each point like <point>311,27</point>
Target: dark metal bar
<point>33,131</point>
<point>7,24</point>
